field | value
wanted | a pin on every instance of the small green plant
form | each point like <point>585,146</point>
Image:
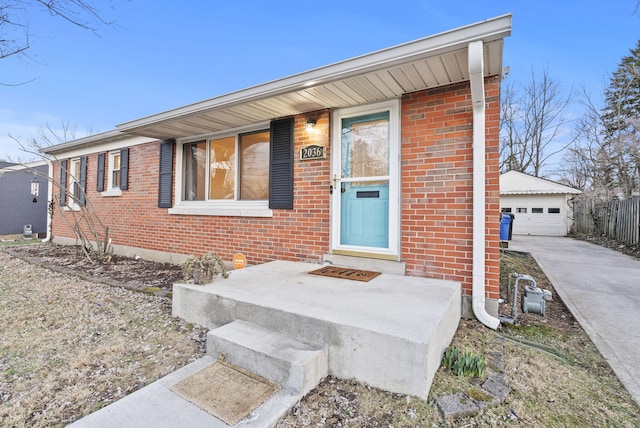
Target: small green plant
<point>202,269</point>
<point>464,363</point>
<point>450,356</point>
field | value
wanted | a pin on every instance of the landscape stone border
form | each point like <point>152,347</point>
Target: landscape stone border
<point>494,388</point>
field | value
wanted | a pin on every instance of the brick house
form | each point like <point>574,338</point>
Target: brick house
<point>390,156</point>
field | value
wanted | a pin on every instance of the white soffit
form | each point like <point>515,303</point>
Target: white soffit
<point>434,61</point>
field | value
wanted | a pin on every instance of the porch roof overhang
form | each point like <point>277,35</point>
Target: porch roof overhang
<point>430,62</point>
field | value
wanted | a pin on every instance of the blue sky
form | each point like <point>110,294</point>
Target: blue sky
<point>163,55</point>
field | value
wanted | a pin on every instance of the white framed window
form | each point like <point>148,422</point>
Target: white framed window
<point>75,185</point>
<point>114,173</point>
<point>224,174</point>
<point>114,170</point>
<point>115,165</point>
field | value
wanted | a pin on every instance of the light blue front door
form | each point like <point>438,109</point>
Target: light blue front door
<point>364,181</point>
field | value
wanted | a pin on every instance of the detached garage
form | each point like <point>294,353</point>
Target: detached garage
<point>539,206</point>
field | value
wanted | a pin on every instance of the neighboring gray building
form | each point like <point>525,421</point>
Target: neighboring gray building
<point>23,198</point>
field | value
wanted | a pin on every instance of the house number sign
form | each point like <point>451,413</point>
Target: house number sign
<point>313,151</point>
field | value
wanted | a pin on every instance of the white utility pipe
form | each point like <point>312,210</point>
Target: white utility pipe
<point>49,199</point>
<point>476,77</point>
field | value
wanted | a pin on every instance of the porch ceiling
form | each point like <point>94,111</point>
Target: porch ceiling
<point>430,62</point>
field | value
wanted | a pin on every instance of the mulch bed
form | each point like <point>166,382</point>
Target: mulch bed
<point>134,273</point>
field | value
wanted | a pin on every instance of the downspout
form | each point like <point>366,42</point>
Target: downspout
<point>476,77</point>
<point>49,199</point>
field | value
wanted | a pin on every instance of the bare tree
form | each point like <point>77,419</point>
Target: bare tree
<point>14,20</point>
<point>586,162</point>
<point>605,156</point>
<point>533,124</point>
<point>512,149</point>
<point>91,233</point>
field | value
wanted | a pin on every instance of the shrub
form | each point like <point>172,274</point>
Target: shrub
<point>202,269</point>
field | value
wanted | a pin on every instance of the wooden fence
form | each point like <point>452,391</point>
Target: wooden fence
<point>616,219</point>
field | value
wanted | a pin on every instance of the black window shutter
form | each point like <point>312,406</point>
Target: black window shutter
<point>281,165</point>
<point>165,182</point>
<point>100,183</point>
<point>63,182</point>
<point>83,180</point>
<point>124,169</point>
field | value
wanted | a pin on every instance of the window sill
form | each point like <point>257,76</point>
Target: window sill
<point>235,210</point>
<point>71,208</point>
<point>111,193</point>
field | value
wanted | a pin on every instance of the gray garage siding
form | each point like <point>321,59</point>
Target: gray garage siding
<point>17,207</point>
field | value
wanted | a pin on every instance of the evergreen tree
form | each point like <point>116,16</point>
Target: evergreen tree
<point>621,122</point>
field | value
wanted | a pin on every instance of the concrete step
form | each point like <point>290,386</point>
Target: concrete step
<point>389,332</point>
<point>291,363</point>
<point>376,265</point>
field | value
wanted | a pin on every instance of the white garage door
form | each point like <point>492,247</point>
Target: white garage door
<point>537,214</point>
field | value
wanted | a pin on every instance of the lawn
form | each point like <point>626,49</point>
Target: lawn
<point>69,346</point>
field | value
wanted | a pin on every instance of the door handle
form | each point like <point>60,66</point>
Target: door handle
<point>335,184</point>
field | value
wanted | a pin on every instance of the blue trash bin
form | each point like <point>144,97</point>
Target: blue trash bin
<point>505,222</point>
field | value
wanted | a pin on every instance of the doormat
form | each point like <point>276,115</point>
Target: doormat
<point>346,273</point>
<point>225,391</point>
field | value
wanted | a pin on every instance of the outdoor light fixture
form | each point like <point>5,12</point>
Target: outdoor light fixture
<point>311,123</point>
<point>35,189</point>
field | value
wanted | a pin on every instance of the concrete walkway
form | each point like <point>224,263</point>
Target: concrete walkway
<point>601,288</point>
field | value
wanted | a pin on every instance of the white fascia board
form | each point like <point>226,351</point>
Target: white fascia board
<point>487,31</point>
<point>21,166</point>
<point>567,191</point>
<point>104,141</point>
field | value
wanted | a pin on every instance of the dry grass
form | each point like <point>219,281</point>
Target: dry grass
<point>556,375</point>
<point>545,392</point>
<point>69,347</point>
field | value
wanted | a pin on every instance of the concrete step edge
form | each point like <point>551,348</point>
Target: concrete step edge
<point>285,360</point>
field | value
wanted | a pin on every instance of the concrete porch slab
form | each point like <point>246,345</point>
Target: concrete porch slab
<point>389,332</point>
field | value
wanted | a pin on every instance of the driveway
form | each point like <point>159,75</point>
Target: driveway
<point>601,288</point>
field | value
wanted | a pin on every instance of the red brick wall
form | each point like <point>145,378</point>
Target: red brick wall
<point>135,220</point>
<point>436,197</point>
<point>437,184</point>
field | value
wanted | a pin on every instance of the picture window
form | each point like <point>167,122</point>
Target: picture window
<point>229,168</point>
